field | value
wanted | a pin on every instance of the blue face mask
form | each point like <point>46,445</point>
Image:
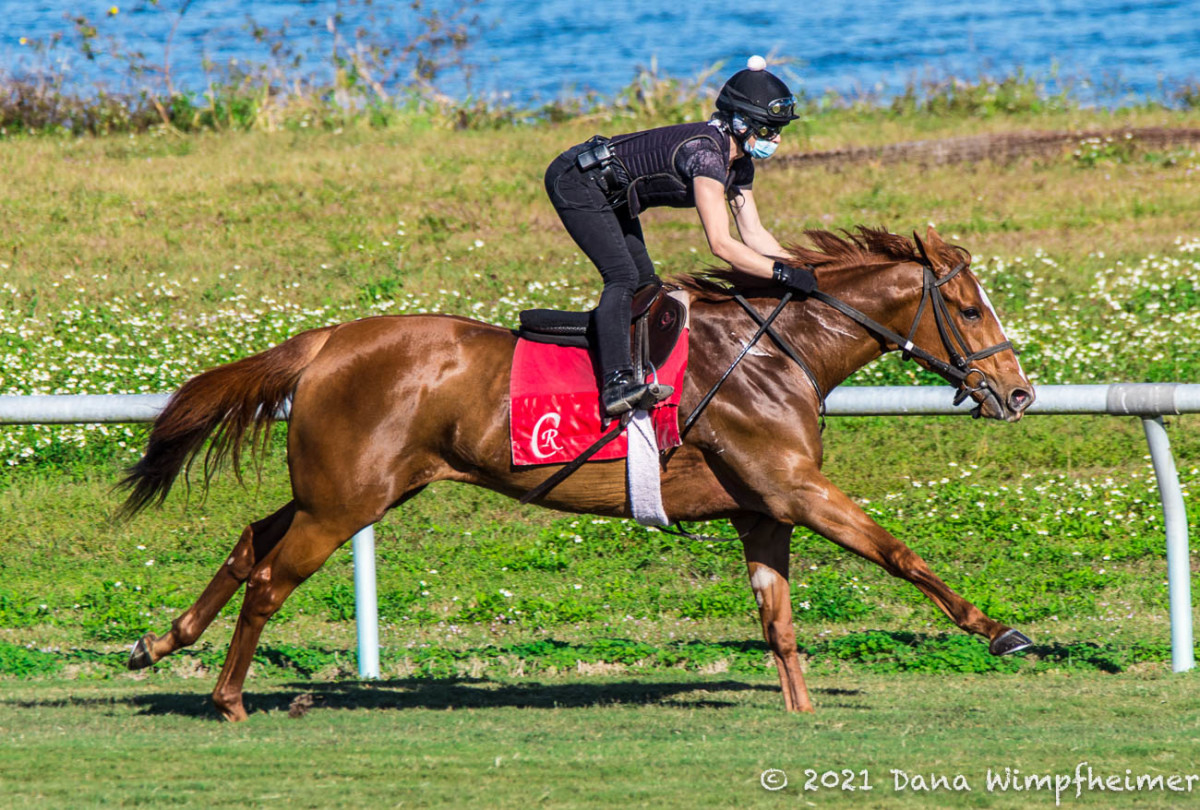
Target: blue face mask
<point>761,150</point>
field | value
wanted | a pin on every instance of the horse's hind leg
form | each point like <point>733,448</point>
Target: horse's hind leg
<point>305,548</point>
<point>767,545</point>
<point>256,542</point>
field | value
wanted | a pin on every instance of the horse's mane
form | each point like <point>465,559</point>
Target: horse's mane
<point>863,246</point>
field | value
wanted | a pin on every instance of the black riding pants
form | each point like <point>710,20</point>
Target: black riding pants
<point>613,241</point>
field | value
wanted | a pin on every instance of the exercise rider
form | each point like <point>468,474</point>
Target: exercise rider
<point>599,188</point>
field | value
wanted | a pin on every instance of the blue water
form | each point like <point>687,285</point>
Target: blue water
<point>526,52</point>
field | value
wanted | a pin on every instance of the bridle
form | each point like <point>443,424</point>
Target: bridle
<point>959,371</point>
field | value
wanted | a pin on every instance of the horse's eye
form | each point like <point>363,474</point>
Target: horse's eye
<point>971,314</point>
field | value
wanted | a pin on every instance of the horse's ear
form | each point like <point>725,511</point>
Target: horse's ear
<point>934,240</point>
<point>921,249</point>
<point>933,246</point>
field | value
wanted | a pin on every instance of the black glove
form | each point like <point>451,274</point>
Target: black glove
<point>797,279</point>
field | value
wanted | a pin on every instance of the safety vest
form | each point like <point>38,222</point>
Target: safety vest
<point>648,158</point>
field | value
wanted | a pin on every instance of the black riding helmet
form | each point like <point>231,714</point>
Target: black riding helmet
<point>758,95</point>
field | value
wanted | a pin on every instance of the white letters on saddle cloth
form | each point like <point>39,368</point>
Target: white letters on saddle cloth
<point>543,442</point>
<point>641,462</point>
<point>554,416</point>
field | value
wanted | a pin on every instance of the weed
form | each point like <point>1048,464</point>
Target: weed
<point>1103,151</point>
<point>1018,94</point>
<point>110,613</point>
<point>21,662</point>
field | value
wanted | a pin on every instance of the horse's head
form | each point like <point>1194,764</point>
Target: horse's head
<point>918,296</point>
<point>956,324</point>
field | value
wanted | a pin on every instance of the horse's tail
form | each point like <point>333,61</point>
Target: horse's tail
<point>227,402</point>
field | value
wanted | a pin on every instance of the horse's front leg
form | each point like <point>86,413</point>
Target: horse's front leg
<point>822,507</point>
<point>767,545</point>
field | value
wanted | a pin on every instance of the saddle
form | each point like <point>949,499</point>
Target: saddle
<point>658,319</point>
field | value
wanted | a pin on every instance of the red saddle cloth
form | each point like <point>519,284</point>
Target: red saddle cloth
<point>555,412</point>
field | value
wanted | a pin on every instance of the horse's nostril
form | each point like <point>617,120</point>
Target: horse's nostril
<point>1019,399</point>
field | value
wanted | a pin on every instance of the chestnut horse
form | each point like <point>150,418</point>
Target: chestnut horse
<point>383,406</point>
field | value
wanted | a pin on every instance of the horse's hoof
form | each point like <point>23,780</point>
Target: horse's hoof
<point>139,656</point>
<point>1009,642</point>
<point>232,711</point>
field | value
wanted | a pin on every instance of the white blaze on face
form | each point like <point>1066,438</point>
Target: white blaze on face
<point>988,303</point>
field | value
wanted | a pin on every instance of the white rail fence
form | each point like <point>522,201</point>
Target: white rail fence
<point>1148,401</point>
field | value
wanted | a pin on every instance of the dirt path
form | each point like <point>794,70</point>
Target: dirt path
<point>1000,148</point>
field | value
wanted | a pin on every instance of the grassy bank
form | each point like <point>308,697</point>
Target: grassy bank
<point>353,212</point>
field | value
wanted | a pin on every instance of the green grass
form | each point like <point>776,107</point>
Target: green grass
<point>670,739</point>
<point>461,562</point>
<point>264,210</point>
<point>117,281</point>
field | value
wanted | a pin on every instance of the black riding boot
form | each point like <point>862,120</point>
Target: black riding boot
<point>623,392</point>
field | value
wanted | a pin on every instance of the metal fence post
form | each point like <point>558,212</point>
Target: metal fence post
<point>1179,568</point>
<point>366,605</point>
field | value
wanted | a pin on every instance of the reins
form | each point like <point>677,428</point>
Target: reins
<point>958,370</point>
<point>764,326</point>
<point>787,349</point>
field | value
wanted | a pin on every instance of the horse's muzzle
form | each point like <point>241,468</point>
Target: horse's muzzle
<point>1018,400</point>
<point>1011,409</point>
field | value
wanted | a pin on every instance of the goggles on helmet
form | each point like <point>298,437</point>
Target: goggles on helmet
<point>785,106</point>
<point>744,127</point>
<point>763,132</point>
